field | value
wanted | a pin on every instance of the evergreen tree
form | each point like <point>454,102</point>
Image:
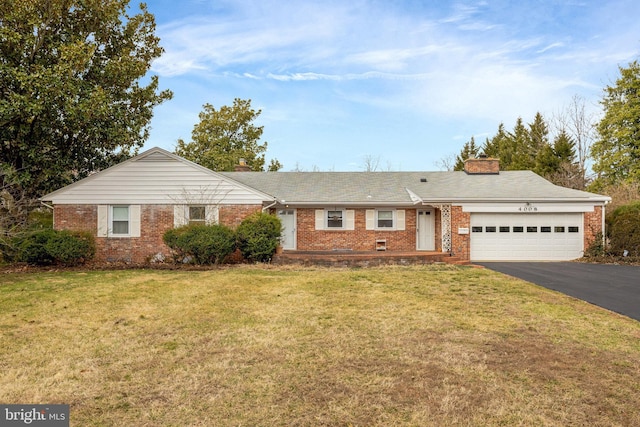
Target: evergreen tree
<point>469,151</point>
<point>616,153</point>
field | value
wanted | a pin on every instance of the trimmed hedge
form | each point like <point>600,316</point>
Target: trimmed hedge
<point>259,236</point>
<point>624,230</point>
<point>61,247</point>
<point>201,244</point>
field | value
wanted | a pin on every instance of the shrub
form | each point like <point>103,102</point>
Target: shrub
<point>63,247</point>
<point>32,248</point>
<point>259,236</point>
<point>71,247</point>
<point>624,229</point>
<point>201,244</point>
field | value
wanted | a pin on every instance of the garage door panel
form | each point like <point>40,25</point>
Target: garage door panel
<point>526,237</point>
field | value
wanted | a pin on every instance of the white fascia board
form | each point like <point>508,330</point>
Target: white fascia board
<point>560,200</point>
<point>527,207</point>
<point>322,205</point>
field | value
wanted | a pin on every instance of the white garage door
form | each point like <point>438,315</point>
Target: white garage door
<point>526,237</point>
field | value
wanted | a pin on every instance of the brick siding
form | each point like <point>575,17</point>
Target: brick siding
<point>592,226</point>
<point>155,220</point>
<point>360,239</point>
<point>460,243</point>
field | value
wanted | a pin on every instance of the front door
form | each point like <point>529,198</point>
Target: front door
<point>288,218</point>
<point>426,240</point>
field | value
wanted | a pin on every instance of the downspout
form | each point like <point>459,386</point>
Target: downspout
<point>604,233</point>
<point>46,205</point>
<point>53,212</point>
<point>269,206</point>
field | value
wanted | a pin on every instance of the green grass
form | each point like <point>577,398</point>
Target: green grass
<point>251,346</point>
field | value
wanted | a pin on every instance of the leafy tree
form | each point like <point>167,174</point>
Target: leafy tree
<point>225,136</point>
<point>579,126</point>
<point>616,152</point>
<point>72,99</point>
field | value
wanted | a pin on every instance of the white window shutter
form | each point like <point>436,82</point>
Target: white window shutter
<point>179,215</point>
<point>319,219</point>
<point>211,214</point>
<point>103,221</point>
<point>400,222</point>
<point>351,219</point>
<point>134,219</point>
<point>371,219</point>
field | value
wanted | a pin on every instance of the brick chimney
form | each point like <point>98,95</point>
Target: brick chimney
<point>242,166</point>
<point>482,165</point>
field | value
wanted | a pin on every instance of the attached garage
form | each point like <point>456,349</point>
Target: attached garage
<point>526,236</point>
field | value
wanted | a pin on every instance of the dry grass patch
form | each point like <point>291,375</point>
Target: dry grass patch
<point>436,345</point>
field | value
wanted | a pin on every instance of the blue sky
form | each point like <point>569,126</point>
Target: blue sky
<point>403,82</point>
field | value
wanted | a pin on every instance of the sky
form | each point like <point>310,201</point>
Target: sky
<point>400,84</point>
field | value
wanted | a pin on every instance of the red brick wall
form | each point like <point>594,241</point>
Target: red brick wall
<point>76,217</point>
<point>592,226</point>
<point>360,239</point>
<point>154,221</point>
<point>460,243</point>
<point>233,215</point>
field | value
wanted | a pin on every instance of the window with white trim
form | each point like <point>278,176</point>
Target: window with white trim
<point>335,219</point>
<point>197,215</point>
<point>385,219</point>
<point>120,220</point>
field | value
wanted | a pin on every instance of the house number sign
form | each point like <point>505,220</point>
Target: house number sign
<point>528,207</point>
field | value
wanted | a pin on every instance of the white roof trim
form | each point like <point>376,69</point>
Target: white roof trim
<point>151,151</point>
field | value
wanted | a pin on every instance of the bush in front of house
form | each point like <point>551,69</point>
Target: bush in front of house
<point>201,244</point>
<point>259,236</point>
<point>60,247</point>
<point>624,230</point>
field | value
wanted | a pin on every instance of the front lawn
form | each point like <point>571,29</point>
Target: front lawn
<point>251,346</point>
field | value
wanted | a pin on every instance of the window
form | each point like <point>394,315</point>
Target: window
<point>197,215</point>
<point>545,229</point>
<point>532,229</point>
<point>491,229</point>
<point>504,229</point>
<point>335,219</point>
<point>385,219</point>
<point>559,229</point>
<point>518,229</point>
<point>573,229</point>
<point>476,229</point>
<point>120,220</point>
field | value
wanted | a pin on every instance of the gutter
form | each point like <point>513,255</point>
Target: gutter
<point>46,205</point>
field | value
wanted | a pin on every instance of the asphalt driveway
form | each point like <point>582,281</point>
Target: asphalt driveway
<point>614,287</point>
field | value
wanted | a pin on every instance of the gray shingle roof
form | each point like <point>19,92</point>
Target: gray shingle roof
<point>396,187</point>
